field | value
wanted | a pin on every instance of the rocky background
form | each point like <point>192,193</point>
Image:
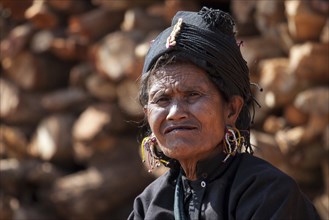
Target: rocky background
<point>69,114</point>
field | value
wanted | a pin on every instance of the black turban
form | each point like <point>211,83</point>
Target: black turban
<point>207,39</point>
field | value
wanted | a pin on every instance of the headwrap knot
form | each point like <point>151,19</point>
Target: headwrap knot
<point>218,19</point>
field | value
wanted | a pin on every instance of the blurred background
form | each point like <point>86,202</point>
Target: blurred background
<point>70,117</point>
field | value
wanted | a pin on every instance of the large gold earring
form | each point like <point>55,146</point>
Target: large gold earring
<point>149,144</point>
<point>232,141</point>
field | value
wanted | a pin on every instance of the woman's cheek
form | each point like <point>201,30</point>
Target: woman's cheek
<point>155,116</point>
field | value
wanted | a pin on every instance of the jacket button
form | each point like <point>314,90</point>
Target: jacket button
<point>203,184</point>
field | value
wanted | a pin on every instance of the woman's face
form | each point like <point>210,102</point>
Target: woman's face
<point>185,111</point>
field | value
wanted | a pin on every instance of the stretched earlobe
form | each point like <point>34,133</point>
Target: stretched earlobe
<point>234,108</point>
<point>150,145</point>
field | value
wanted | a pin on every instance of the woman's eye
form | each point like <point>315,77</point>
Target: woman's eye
<point>162,100</point>
<point>193,94</point>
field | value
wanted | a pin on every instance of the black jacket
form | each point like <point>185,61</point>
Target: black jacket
<point>244,187</point>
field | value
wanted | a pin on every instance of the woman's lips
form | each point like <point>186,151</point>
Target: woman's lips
<point>178,128</point>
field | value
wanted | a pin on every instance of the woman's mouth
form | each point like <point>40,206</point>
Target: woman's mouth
<point>177,128</point>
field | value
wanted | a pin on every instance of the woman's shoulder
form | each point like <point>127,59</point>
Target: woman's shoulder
<point>256,175</point>
<point>161,183</point>
<point>272,192</point>
<point>255,169</point>
<point>257,165</point>
<point>159,193</point>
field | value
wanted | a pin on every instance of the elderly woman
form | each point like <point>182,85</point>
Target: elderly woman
<point>196,95</point>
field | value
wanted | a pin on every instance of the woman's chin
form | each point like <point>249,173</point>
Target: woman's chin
<point>179,152</point>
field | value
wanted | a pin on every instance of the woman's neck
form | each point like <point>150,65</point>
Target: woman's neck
<point>189,168</point>
<point>190,165</point>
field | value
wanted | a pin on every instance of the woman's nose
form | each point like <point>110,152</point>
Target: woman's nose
<point>177,110</point>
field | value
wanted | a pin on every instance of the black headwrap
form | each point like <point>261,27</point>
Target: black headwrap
<point>207,39</point>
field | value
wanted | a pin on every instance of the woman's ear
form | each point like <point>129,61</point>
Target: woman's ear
<point>233,109</point>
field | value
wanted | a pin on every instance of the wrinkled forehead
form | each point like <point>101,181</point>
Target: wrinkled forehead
<point>185,74</point>
<point>180,67</point>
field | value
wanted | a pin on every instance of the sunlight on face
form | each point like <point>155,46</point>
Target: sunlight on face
<point>185,111</point>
